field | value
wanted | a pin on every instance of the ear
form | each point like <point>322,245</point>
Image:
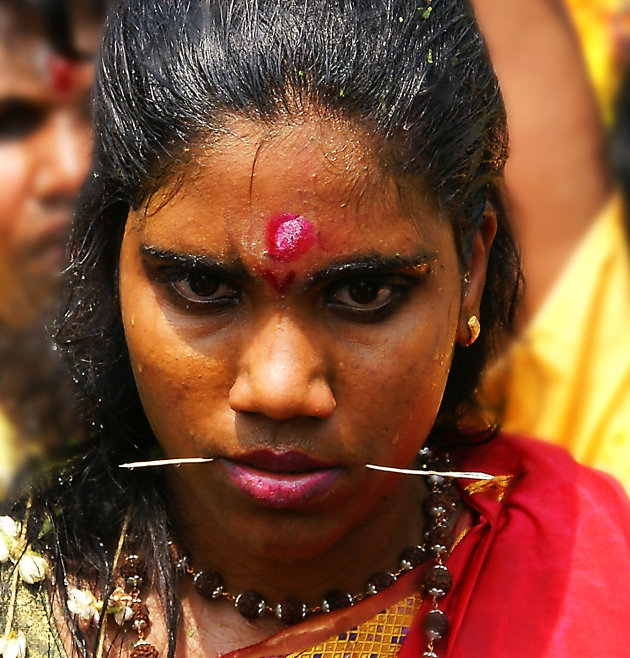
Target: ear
<point>475,279</point>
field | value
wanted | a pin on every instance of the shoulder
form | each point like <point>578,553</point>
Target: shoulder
<point>559,534</point>
<point>541,495</point>
<point>557,515</point>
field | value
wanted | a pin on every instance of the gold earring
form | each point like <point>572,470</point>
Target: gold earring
<point>474,327</point>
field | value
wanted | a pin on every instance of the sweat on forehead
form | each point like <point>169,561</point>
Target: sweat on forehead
<point>310,161</point>
<point>349,157</point>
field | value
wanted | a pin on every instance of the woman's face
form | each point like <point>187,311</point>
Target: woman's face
<point>287,317</point>
<point>44,156</point>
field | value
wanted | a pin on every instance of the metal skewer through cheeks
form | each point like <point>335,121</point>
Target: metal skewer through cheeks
<point>470,475</point>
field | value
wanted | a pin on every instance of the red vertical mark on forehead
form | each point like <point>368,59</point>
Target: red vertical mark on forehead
<point>62,73</point>
<point>280,283</point>
<point>288,237</point>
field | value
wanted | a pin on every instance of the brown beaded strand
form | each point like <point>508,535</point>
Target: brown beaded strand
<point>439,506</point>
<point>252,605</point>
<point>133,571</point>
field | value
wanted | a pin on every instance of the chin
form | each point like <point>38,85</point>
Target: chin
<point>297,538</point>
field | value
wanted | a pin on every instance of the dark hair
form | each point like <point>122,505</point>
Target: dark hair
<point>415,74</point>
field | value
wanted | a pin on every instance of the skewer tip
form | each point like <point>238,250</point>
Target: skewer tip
<point>469,475</point>
<point>166,462</point>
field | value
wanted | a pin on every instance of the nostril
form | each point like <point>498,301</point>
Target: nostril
<point>281,400</point>
<point>322,400</point>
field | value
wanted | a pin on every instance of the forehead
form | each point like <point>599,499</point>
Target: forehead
<point>326,170</point>
<point>327,161</point>
<point>27,62</point>
<point>21,49</point>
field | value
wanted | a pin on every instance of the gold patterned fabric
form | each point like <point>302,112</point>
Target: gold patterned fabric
<point>383,635</point>
<point>497,488</point>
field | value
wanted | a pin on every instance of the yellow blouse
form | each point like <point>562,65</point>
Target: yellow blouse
<point>596,22</point>
<point>567,378</point>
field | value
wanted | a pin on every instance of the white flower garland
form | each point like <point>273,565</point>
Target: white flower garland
<point>30,567</point>
<point>13,646</point>
<point>83,604</point>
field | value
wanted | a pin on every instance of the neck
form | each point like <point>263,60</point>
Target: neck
<point>286,568</point>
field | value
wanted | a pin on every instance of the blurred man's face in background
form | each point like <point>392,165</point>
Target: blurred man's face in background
<point>44,157</point>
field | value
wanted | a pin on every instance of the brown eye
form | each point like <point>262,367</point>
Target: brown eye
<point>204,287</point>
<point>367,292</point>
<point>368,296</point>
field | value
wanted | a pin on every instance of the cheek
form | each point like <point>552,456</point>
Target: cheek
<point>15,174</point>
<point>184,392</point>
<point>393,388</point>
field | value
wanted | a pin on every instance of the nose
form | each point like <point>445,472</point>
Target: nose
<point>63,156</point>
<point>282,373</point>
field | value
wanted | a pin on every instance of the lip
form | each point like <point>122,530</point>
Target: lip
<point>291,461</point>
<point>282,480</point>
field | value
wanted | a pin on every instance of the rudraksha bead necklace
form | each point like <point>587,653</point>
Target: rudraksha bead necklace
<point>133,571</point>
<point>439,506</point>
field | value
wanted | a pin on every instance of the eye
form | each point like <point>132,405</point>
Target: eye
<point>364,294</point>
<point>200,287</point>
<point>369,297</point>
<point>19,119</point>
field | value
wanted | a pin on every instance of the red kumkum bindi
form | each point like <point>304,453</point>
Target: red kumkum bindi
<point>62,72</point>
<point>288,237</point>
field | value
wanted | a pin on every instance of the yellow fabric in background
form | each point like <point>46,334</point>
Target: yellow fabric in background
<point>567,379</point>
<point>595,23</point>
<point>7,454</point>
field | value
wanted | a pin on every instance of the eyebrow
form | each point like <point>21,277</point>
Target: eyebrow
<point>375,262</point>
<point>234,270</point>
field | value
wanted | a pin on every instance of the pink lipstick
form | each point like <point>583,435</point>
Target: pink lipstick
<point>284,480</point>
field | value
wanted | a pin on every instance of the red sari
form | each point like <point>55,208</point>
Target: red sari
<point>543,571</point>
